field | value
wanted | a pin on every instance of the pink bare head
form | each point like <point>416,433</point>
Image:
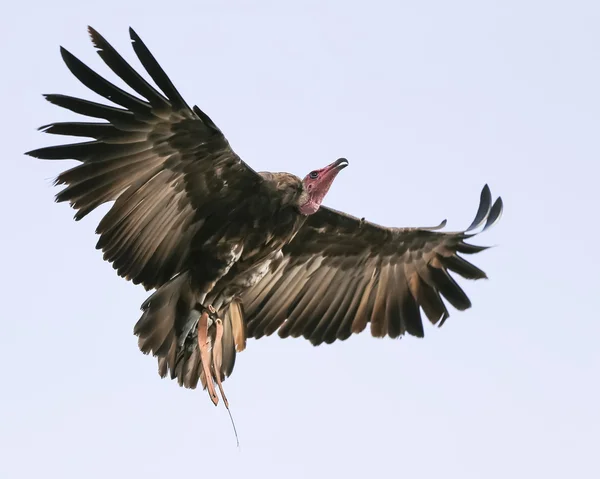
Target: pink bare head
<point>317,183</point>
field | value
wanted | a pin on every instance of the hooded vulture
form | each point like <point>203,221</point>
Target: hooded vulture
<point>232,253</point>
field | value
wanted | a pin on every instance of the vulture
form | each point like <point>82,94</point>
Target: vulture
<point>230,253</point>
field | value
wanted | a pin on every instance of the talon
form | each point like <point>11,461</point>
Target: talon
<point>204,344</point>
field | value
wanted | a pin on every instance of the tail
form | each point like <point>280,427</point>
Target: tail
<point>167,329</point>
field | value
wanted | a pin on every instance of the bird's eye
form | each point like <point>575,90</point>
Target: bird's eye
<point>313,174</point>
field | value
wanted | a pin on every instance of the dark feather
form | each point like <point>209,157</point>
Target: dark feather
<point>485,204</point>
<point>102,87</point>
<point>450,289</point>
<point>157,73</point>
<point>118,65</point>
<point>117,116</point>
<point>462,267</point>
<point>100,131</point>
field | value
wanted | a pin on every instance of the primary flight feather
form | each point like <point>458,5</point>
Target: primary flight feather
<point>232,253</point>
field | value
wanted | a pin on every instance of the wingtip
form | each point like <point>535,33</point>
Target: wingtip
<point>66,55</point>
<point>50,97</point>
<point>443,319</point>
<point>32,153</point>
<point>486,193</point>
<point>134,36</point>
<point>495,214</point>
<point>95,37</point>
<point>500,204</point>
<point>485,205</point>
<point>437,227</point>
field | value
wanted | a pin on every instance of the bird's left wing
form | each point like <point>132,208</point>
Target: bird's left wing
<point>341,273</point>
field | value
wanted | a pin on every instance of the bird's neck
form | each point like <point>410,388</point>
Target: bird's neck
<point>310,207</point>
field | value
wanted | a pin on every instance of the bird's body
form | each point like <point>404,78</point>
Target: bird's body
<point>232,253</point>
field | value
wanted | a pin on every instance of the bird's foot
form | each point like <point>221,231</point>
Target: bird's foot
<point>211,363</point>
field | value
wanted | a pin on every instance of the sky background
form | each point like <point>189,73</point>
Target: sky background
<point>429,101</point>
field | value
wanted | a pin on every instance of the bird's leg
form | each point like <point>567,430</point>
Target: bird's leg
<point>204,344</point>
<point>217,358</point>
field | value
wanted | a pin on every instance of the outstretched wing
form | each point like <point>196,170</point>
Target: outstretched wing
<point>340,273</point>
<point>167,167</point>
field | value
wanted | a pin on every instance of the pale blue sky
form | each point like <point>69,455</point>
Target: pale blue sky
<point>429,101</point>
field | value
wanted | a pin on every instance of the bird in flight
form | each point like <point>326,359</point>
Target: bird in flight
<point>232,253</point>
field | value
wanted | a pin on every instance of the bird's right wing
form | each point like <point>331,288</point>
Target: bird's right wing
<point>341,273</point>
<point>167,166</point>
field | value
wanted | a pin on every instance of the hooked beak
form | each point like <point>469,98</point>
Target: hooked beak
<point>338,165</point>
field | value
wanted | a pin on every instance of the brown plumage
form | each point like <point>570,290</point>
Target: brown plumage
<point>195,223</point>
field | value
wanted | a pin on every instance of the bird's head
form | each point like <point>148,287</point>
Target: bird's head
<point>316,185</point>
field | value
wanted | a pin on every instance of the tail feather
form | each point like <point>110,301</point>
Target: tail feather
<point>160,314</point>
<point>163,324</point>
